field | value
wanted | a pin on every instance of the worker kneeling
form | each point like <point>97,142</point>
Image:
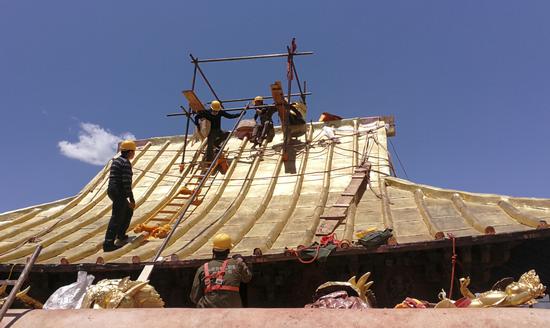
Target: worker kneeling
<point>217,282</point>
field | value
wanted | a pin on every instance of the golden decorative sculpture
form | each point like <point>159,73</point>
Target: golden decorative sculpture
<point>524,291</point>
<point>121,293</point>
<point>360,286</point>
<point>345,294</point>
<point>21,296</point>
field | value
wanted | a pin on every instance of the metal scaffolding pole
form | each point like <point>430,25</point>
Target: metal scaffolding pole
<point>212,60</point>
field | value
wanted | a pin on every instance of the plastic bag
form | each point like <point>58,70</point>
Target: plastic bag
<point>70,296</point>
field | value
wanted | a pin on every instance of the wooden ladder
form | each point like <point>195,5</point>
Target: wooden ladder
<point>19,282</point>
<point>159,224</point>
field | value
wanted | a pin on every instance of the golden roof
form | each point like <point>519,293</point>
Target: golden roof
<point>261,206</point>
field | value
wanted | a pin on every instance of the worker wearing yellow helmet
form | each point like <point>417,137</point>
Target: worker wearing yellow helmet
<point>216,136</point>
<point>263,129</point>
<point>216,283</point>
<point>120,192</point>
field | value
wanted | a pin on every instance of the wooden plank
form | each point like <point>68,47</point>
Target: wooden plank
<point>194,102</point>
<point>279,99</point>
<point>335,212</point>
<point>145,273</point>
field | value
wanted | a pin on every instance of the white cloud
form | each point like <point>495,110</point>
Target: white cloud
<point>95,144</point>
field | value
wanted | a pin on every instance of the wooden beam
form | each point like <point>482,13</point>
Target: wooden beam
<point>426,216</point>
<point>470,217</point>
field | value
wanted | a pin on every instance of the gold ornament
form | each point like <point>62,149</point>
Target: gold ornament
<point>21,296</point>
<point>359,287</point>
<point>121,293</point>
<point>524,291</point>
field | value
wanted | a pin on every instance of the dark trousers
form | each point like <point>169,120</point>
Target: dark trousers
<point>215,139</point>
<point>262,131</point>
<point>120,219</point>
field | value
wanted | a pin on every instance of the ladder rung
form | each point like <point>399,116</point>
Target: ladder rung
<point>178,205</point>
<point>8,282</point>
<point>160,219</point>
<point>168,211</point>
<point>182,197</point>
<point>174,204</point>
<point>210,178</point>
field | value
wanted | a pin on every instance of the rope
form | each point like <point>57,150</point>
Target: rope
<point>11,271</point>
<point>297,254</point>
<point>325,240</point>
<point>453,265</point>
<point>398,159</point>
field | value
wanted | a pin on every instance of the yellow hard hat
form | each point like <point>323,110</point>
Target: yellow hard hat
<point>222,242</point>
<point>259,98</point>
<point>127,145</point>
<point>215,105</point>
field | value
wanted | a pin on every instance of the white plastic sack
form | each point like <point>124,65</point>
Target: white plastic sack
<point>329,133</point>
<point>70,296</point>
<point>202,132</point>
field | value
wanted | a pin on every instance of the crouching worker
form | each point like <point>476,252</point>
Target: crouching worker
<point>217,282</point>
<point>263,130</point>
<point>216,136</point>
<point>120,192</point>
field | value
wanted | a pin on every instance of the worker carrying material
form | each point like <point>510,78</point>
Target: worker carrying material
<point>120,193</point>
<point>216,135</point>
<point>264,129</point>
<point>217,282</point>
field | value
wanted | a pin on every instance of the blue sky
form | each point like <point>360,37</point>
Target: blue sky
<point>468,81</point>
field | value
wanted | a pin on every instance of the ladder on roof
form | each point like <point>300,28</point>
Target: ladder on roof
<point>158,225</point>
<point>146,272</point>
<point>19,282</point>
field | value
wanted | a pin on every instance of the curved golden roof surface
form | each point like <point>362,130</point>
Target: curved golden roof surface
<point>342,185</point>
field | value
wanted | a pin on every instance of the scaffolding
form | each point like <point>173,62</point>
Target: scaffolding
<point>195,105</point>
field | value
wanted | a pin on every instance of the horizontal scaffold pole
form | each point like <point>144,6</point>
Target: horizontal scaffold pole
<point>227,110</point>
<point>265,97</point>
<point>211,60</point>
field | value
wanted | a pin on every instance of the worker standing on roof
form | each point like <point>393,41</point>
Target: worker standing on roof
<point>216,136</point>
<point>120,192</point>
<point>217,282</point>
<point>263,129</point>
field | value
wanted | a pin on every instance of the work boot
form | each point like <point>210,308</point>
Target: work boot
<point>121,241</point>
<point>123,238</point>
<point>109,246</point>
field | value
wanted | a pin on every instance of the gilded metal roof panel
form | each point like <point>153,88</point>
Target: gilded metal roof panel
<point>260,205</point>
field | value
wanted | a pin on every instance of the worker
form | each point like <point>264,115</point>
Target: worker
<point>263,129</point>
<point>216,283</point>
<point>216,135</point>
<point>119,191</point>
